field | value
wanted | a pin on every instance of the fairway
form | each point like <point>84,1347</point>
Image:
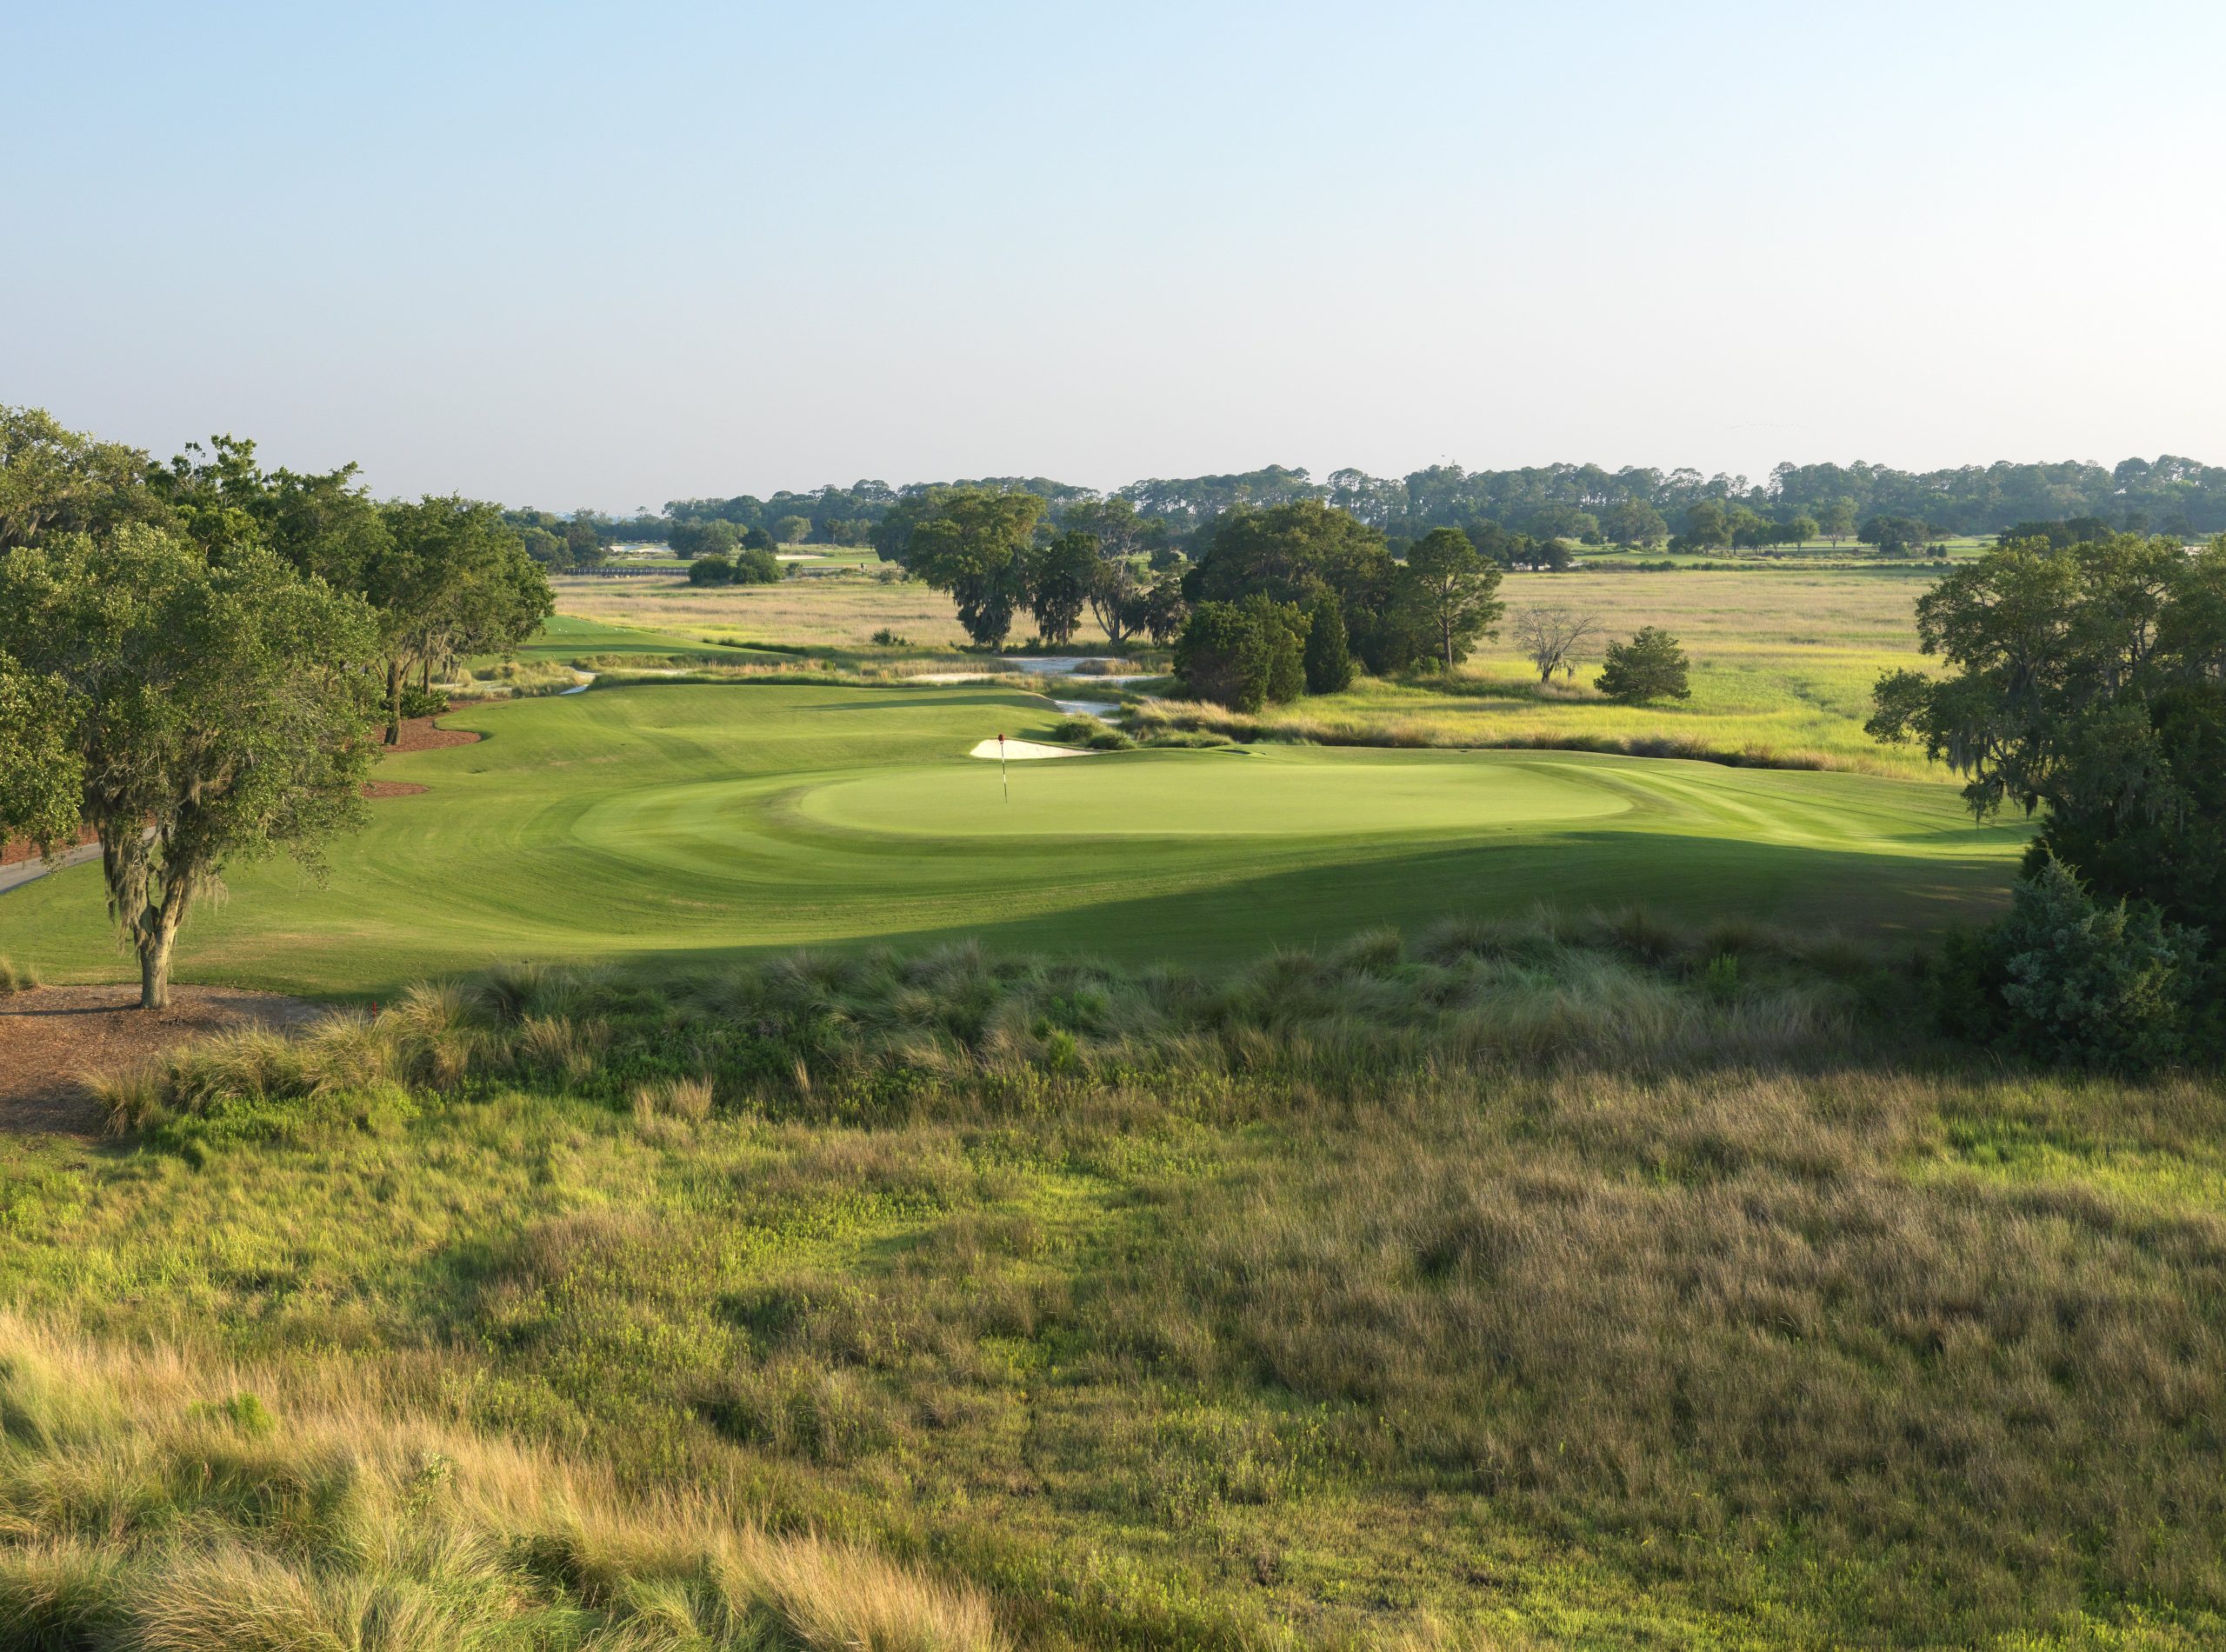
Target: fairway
<point>665,825</point>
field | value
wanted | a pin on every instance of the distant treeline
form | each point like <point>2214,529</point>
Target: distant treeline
<point>1584,502</point>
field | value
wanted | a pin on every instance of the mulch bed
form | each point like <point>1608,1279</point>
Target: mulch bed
<point>378,789</point>
<point>52,1037</point>
<point>419,734</point>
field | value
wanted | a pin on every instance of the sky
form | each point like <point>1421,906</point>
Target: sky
<point>606,256</point>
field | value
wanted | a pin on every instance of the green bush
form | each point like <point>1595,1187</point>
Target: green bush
<point>1651,666</point>
<point>753,567</point>
<point>1093,732</point>
<point>423,702</point>
<point>1329,661</point>
<point>2065,978</point>
<point>1243,655</point>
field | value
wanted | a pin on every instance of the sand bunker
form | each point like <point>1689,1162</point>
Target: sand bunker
<point>1022,751</point>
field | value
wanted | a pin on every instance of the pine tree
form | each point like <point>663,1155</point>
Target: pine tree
<point>1649,667</point>
<point>1329,664</point>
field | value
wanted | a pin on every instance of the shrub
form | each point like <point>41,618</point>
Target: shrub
<point>1649,667</point>
<point>886,638</point>
<point>1093,732</point>
<point>755,567</point>
<point>1243,655</point>
<point>423,702</point>
<point>2066,979</point>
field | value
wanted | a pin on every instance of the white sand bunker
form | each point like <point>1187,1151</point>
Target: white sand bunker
<point>1022,750</point>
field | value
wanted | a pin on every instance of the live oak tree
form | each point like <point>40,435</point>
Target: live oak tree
<point>1125,539</point>
<point>1708,525</point>
<point>1291,553</point>
<point>448,578</point>
<point>57,481</point>
<point>1554,638</point>
<point>1651,666</point>
<point>969,541</point>
<point>1060,574</point>
<point>1893,535</point>
<point>692,539</point>
<point>192,711</point>
<point>1634,521</point>
<point>2087,682</point>
<point>1445,591</point>
<point>1164,607</point>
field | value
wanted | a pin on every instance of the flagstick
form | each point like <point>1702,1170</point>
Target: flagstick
<point>1003,774</point>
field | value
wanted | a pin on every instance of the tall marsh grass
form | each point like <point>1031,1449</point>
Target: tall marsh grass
<point>880,1034</point>
<point>153,1503</point>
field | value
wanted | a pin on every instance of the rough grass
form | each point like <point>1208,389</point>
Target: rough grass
<point>16,978</point>
<point>1156,721</point>
<point>861,1035</point>
<point>161,1504</point>
<point>1597,1283</point>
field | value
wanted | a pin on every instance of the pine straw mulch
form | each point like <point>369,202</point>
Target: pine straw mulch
<point>423,734</point>
<point>52,1037</point>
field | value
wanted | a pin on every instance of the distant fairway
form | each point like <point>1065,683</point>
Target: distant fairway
<point>675,823</point>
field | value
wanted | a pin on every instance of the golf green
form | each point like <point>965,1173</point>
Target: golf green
<point>672,823</point>
<point>1276,793</point>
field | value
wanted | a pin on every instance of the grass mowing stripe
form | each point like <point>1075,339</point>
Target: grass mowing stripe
<point>677,822</point>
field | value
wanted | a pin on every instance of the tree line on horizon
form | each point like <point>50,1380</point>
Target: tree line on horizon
<point>1584,504</point>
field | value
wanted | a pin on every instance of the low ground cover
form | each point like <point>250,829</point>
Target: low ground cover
<point>1594,1284</point>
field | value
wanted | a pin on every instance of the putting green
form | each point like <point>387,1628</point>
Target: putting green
<point>673,824</point>
<point>1267,793</point>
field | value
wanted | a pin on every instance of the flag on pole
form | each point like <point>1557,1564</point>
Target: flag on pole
<point>1003,775</point>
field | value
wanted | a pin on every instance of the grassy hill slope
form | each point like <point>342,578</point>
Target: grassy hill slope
<point>1519,1287</point>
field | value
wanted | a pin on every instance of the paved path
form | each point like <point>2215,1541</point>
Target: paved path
<point>26,871</point>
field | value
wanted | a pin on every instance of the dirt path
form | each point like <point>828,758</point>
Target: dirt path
<point>51,1037</point>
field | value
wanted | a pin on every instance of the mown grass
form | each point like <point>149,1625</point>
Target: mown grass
<point>1592,1283</point>
<point>681,823</point>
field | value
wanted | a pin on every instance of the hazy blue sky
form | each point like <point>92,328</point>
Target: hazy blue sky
<point>614,254</point>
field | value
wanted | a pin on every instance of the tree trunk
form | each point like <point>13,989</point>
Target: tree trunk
<point>156,936</point>
<point>394,703</point>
